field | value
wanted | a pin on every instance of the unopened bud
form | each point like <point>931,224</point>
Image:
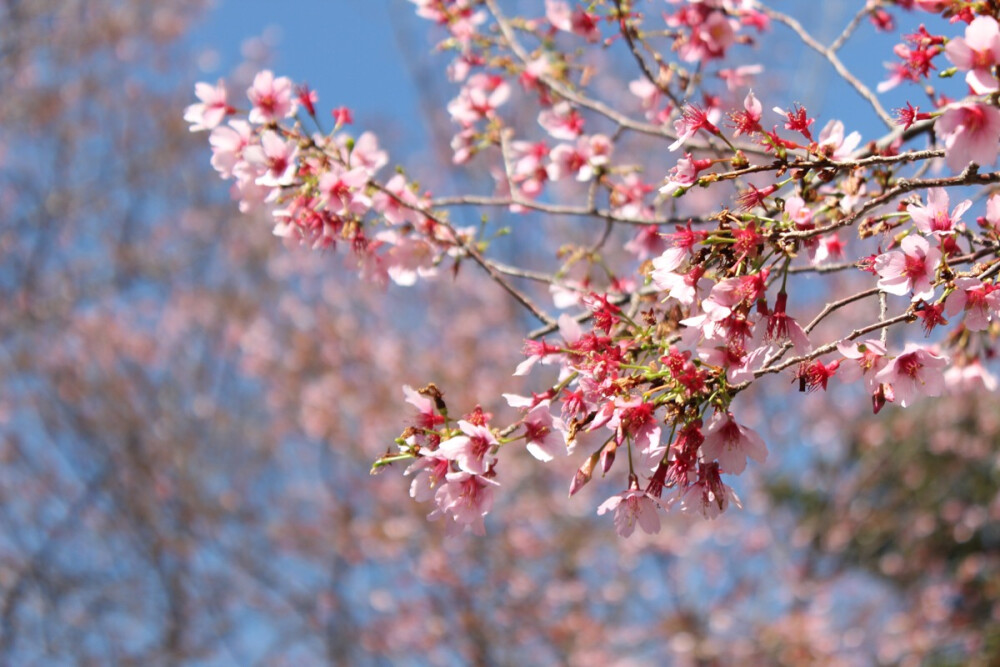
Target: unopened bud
<point>608,456</point>
<point>584,474</point>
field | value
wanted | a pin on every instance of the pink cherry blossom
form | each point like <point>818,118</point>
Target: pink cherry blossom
<point>632,507</point>
<point>342,192</point>
<point>914,373</point>
<point>971,377</point>
<point>212,109</point>
<point>463,146</point>
<point>666,265</point>
<point>933,218</point>
<point>408,257</point>
<point>273,99</point>
<point>628,198</point>
<point>576,21</point>
<point>709,39</point>
<point>365,153</point>
<point>562,122</point>
<point>978,299</point>
<point>912,268</point>
<point>739,77</point>
<point>971,133</point>
<point>472,449</point>
<point>479,98</point>
<point>391,202</point>
<point>684,287</point>
<point>544,353</point>
<point>251,194</point>
<point>634,418</point>
<point>430,471</point>
<point>536,69</point>
<point>739,363</point>
<point>898,71</point>
<point>649,99</point>
<point>835,144</point>
<point>692,119</point>
<point>779,327</point>
<point>684,174</point>
<point>977,52</point>
<point>545,435</point>
<point>731,443</point>
<point>992,218</point>
<point>864,360</point>
<point>646,243</point>
<point>426,408</point>
<point>580,160</point>
<point>528,157</point>
<point>276,157</point>
<point>228,144</point>
<point>723,297</point>
<point>467,498</point>
<point>708,496</point>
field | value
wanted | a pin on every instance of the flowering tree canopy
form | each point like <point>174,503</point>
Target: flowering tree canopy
<point>721,235</point>
<point>190,408</point>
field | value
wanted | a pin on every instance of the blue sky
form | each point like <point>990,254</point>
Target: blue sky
<point>346,50</point>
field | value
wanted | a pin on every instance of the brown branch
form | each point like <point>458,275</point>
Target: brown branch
<point>629,32</point>
<point>970,176</point>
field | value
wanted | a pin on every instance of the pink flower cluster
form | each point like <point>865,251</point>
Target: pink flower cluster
<point>320,189</point>
<point>643,378</point>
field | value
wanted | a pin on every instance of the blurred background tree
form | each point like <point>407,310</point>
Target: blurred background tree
<point>188,413</point>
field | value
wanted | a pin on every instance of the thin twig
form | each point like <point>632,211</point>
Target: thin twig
<point>832,58</point>
<point>849,29</point>
<point>968,177</point>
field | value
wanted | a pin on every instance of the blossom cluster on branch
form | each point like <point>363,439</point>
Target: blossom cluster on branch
<point>657,338</point>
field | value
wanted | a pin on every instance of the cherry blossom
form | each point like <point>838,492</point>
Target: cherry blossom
<point>739,77</point>
<point>228,144</point>
<point>276,159</point>
<point>971,377</point>
<point>971,133</point>
<point>646,243</point>
<point>685,174</point>
<point>471,450</point>
<point>430,471</point>
<point>864,360</point>
<point>833,142</point>
<point>479,98</point>
<point>708,496</point>
<point>933,218</point>
<point>581,159</point>
<point>977,52</point>
<point>780,327</point>
<point>632,507</point>
<point>365,153</point>
<point>912,268</point>
<point>576,21</point>
<point>659,329</point>
<point>342,190</point>
<point>731,443</point>
<point>466,498</point>
<point>709,39</point>
<point>649,99</point>
<point>544,433</point>
<point>979,300</point>
<point>213,108</point>
<point>693,118</point>
<point>562,122</point>
<point>915,372</point>
<point>272,98</point>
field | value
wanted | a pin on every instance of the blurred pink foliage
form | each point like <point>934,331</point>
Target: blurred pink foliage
<point>190,409</point>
